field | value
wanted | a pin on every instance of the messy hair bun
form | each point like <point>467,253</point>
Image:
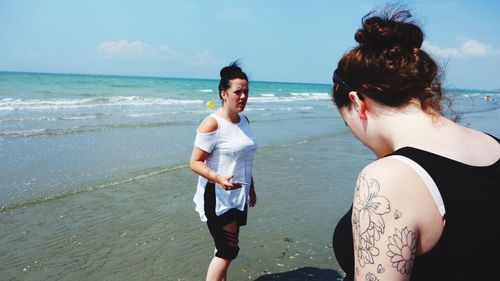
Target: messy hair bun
<point>388,30</point>
<point>231,70</point>
<point>388,64</point>
<point>228,73</point>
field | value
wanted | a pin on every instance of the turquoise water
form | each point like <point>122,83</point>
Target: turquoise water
<point>94,183</point>
<point>62,134</point>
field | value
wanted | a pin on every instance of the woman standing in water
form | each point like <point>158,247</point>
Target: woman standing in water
<point>223,157</point>
<point>426,208</point>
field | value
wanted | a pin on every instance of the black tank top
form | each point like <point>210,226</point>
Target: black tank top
<point>469,245</point>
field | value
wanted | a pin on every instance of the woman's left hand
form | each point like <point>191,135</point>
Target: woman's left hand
<point>252,198</point>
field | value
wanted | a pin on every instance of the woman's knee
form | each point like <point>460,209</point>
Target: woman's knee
<point>227,252</point>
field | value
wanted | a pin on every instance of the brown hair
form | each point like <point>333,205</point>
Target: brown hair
<point>388,64</point>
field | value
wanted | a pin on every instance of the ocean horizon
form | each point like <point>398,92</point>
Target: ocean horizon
<point>94,181</point>
<point>446,88</point>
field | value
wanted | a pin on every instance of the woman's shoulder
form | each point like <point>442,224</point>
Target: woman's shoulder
<point>468,146</point>
<point>390,176</point>
<point>392,209</point>
<point>385,166</point>
<point>400,183</point>
<point>208,125</point>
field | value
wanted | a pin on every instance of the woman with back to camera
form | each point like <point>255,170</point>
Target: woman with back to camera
<point>426,209</point>
<point>223,157</point>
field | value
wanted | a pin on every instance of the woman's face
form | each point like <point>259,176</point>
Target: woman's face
<point>236,96</point>
<point>349,117</point>
<point>368,133</point>
<point>355,124</point>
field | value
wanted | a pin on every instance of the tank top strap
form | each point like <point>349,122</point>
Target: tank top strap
<point>426,178</point>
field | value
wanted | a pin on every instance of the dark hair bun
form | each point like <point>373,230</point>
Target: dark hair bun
<point>386,31</point>
<point>231,70</point>
<point>228,73</point>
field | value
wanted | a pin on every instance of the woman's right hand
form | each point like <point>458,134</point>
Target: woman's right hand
<point>226,184</point>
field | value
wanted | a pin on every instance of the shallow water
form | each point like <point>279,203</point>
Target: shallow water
<point>147,229</point>
<point>95,185</point>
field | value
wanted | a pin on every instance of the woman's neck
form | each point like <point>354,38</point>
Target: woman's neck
<point>230,116</point>
<point>409,127</point>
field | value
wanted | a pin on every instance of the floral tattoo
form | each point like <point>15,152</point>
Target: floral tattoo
<point>371,277</point>
<point>402,250</point>
<point>367,221</point>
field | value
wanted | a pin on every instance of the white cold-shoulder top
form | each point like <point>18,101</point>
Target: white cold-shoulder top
<point>231,151</point>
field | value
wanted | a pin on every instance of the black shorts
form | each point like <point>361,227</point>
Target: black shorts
<point>227,217</point>
<point>216,224</point>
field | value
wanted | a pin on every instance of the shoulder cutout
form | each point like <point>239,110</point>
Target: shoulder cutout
<point>208,125</point>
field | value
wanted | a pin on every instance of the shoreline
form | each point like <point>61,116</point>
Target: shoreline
<point>127,212</point>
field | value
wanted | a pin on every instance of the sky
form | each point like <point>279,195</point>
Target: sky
<point>275,40</point>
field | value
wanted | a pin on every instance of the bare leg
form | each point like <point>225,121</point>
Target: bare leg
<point>217,269</point>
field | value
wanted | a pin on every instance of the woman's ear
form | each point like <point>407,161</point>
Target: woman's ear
<point>223,95</point>
<point>358,104</point>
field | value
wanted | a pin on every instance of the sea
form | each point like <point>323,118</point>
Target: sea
<point>95,183</point>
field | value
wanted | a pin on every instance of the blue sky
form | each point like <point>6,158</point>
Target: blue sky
<point>293,41</point>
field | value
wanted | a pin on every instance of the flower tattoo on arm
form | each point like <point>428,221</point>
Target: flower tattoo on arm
<point>367,221</point>
<point>371,277</point>
<point>402,250</point>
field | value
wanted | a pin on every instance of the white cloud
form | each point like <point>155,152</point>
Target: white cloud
<point>472,47</point>
<point>134,49</point>
<point>440,52</point>
<point>124,49</point>
<point>468,48</point>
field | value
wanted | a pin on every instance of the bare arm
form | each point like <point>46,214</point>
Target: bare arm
<point>252,196</point>
<point>385,225</point>
<point>198,157</point>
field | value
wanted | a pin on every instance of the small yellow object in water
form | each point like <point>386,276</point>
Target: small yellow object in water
<point>210,104</point>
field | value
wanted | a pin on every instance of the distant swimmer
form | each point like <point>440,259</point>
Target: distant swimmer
<point>488,98</point>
